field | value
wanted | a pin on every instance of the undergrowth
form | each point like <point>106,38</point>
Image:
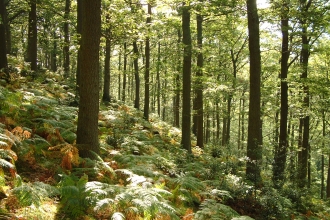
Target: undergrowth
<point>141,173</point>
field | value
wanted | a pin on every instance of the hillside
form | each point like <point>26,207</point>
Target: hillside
<point>142,172</point>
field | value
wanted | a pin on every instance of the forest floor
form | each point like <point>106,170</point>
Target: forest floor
<point>142,173</point>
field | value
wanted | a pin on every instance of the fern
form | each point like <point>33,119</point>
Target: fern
<point>36,193</point>
<point>210,209</point>
<point>72,195</point>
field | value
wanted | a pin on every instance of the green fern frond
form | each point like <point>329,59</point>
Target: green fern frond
<point>28,194</point>
<point>210,209</point>
<point>103,204</point>
<point>5,164</point>
<point>4,139</point>
<point>118,216</point>
<point>189,183</point>
<point>8,154</point>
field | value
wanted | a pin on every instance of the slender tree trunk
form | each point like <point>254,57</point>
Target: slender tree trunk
<point>281,150</point>
<point>199,84</point>
<point>66,53</point>
<point>53,54</point>
<point>79,29</point>
<point>254,149</point>
<point>3,55</point>
<point>147,71</point>
<point>32,36</point>
<point>125,73</point>
<point>87,129</point>
<point>186,79</point>
<point>119,74</point>
<point>322,159</point>
<point>177,82</point>
<point>136,75</point>
<point>328,179</point>
<point>3,46</point>
<point>158,80</point>
<point>303,154</point>
<point>107,77</point>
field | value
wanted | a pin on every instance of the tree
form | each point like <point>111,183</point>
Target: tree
<point>87,130</point>
<point>186,78</point>
<point>66,53</point>
<point>136,75</point>
<point>106,84</point>
<point>32,49</point>
<point>147,70</point>
<point>198,101</point>
<point>254,148</point>
<point>3,50</point>
<point>281,151</point>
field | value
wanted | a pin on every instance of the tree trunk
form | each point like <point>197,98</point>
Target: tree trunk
<point>199,84</point>
<point>254,149</point>
<point>147,71</point>
<point>186,79</point>
<point>303,154</point>
<point>323,146</point>
<point>87,130</point>
<point>3,55</point>
<point>328,179</point>
<point>136,75</point>
<point>281,150</point>
<point>158,79</point>
<point>31,55</point>
<point>53,54</point>
<point>106,84</point>
<point>79,31</point>
<point>177,83</point>
<point>66,54</point>
<point>125,73</point>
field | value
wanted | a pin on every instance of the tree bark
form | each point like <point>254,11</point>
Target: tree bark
<point>176,104</point>
<point>147,71</point>
<point>303,154</point>
<point>87,130</point>
<point>31,55</point>
<point>186,79</point>
<point>66,54</point>
<point>106,84</point>
<point>199,84</point>
<point>3,55</point>
<point>136,75</point>
<point>281,150</point>
<point>125,73</point>
<point>254,148</point>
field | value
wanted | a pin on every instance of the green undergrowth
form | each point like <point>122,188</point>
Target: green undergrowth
<point>141,173</point>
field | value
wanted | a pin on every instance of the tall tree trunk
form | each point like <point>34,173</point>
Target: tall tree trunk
<point>31,55</point>
<point>176,107</point>
<point>79,31</point>
<point>254,148</point>
<point>119,75</point>
<point>281,150</point>
<point>66,54</point>
<point>3,55</point>
<point>322,157</point>
<point>106,84</point>
<point>303,154</point>
<point>186,79</point>
<point>199,84</point>
<point>158,79</point>
<point>125,73</point>
<point>136,75</point>
<point>53,54</point>
<point>147,71</point>
<point>328,178</point>
<point>87,129</point>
